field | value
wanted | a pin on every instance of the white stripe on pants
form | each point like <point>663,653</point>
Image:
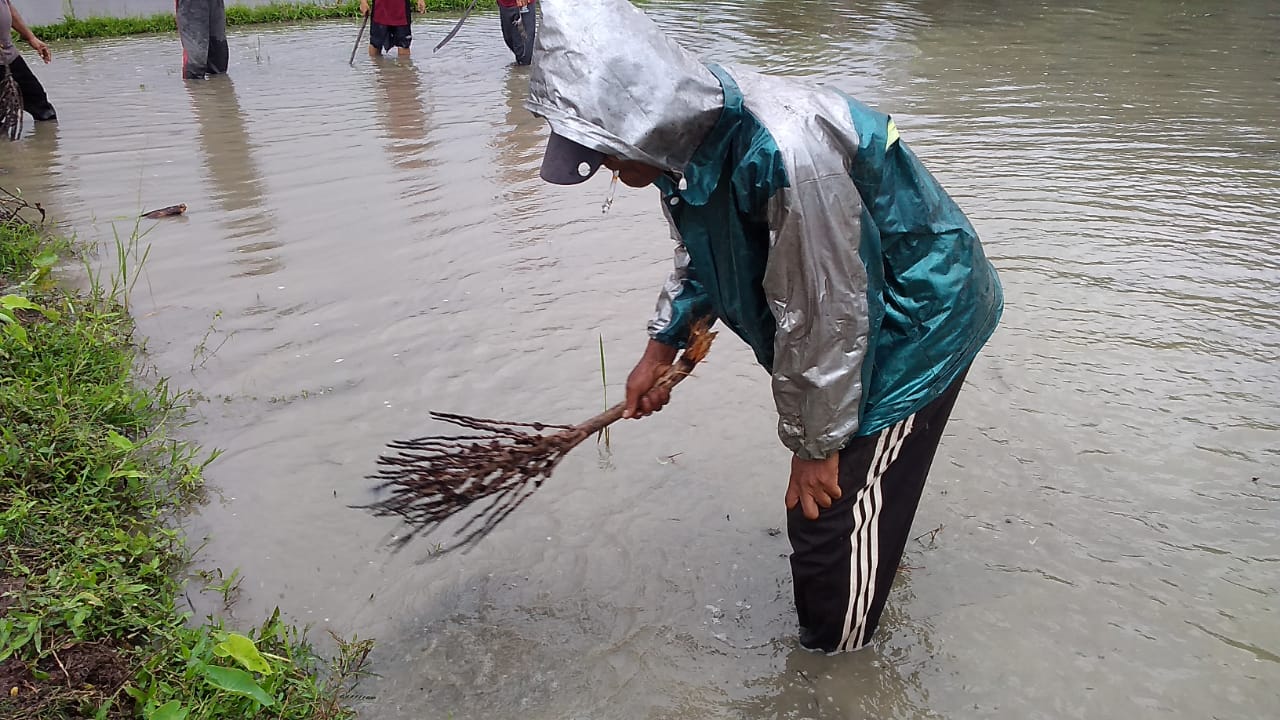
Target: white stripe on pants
<point>865,540</point>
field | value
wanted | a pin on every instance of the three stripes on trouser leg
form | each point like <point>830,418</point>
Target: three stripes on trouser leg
<point>865,541</point>
<point>844,562</point>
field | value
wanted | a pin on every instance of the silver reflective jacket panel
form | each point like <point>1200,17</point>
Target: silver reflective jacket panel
<point>815,281</point>
<point>768,233</point>
<point>606,77</point>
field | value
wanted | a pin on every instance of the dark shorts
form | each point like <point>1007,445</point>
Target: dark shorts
<point>385,37</point>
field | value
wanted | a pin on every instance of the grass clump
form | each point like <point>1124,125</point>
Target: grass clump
<point>72,27</point>
<point>90,626</point>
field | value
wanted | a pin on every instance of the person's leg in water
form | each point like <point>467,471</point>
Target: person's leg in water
<point>518,31</point>
<point>402,35</point>
<point>526,31</point>
<point>34,99</point>
<point>844,562</point>
<point>193,31</point>
<point>378,38</point>
<point>508,17</point>
<point>219,52</point>
<point>404,38</point>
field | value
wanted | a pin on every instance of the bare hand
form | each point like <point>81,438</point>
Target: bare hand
<point>643,399</point>
<point>422,6</point>
<point>42,50</point>
<point>814,484</point>
<point>364,7</point>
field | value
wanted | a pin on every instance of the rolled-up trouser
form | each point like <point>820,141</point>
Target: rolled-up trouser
<point>844,562</point>
<point>519,30</point>
<point>202,28</point>
<point>34,99</point>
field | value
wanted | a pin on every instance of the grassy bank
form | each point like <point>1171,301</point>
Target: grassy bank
<point>94,27</point>
<point>90,623</point>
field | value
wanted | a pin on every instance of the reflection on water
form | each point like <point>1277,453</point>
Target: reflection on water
<point>1106,491</point>
<point>517,150</point>
<point>888,676</point>
<point>234,181</point>
<point>401,111</point>
<point>35,157</point>
<point>520,134</point>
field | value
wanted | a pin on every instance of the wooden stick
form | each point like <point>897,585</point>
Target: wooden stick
<point>435,478</point>
<point>360,36</point>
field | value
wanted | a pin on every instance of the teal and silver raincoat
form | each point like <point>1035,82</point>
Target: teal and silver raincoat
<point>801,221</point>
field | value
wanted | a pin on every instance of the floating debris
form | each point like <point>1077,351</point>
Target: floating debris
<point>165,212</point>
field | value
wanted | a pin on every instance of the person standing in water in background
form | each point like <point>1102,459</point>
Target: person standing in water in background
<point>202,28</point>
<point>34,99</point>
<point>519,27</point>
<point>391,25</point>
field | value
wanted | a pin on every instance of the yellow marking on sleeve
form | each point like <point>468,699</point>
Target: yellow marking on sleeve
<point>892,135</point>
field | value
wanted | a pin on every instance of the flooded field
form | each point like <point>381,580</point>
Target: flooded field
<point>366,244</point>
<point>42,12</point>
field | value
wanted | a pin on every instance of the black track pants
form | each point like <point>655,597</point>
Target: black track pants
<point>844,562</point>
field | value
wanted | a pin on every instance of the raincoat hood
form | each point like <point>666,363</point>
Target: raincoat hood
<point>605,76</point>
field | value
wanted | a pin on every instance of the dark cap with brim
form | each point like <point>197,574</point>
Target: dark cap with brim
<point>566,162</point>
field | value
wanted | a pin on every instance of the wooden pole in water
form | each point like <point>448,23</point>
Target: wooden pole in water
<point>360,36</point>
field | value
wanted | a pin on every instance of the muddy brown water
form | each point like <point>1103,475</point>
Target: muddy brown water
<point>366,244</point>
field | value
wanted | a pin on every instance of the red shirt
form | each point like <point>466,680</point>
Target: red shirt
<point>393,13</point>
<point>512,3</point>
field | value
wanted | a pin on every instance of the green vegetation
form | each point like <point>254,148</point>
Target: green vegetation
<point>95,27</point>
<point>90,626</point>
